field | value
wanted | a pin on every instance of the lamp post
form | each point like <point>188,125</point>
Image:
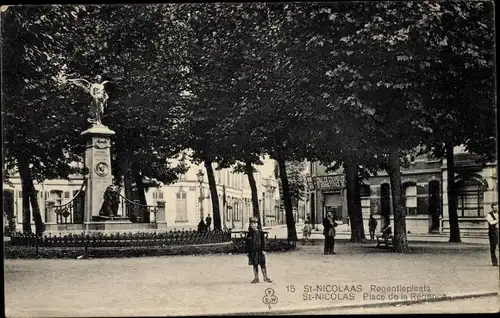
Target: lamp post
<point>270,188</point>
<point>200,176</point>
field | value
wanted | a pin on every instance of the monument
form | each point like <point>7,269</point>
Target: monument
<point>98,163</point>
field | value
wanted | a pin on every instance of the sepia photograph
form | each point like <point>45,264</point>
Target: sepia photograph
<point>249,158</point>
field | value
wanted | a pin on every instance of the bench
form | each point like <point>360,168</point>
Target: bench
<point>384,240</point>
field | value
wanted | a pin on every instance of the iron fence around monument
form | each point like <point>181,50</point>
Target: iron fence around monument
<point>73,209</point>
<point>138,212</point>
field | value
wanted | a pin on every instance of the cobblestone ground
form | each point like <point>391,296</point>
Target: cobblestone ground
<point>182,285</point>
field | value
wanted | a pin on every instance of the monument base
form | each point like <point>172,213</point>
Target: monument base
<point>105,225</point>
<point>161,225</point>
<point>117,225</point>
<point>101,218</point>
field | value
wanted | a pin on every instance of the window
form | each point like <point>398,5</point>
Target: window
<point>236,211</point>
<point>78,206</point>
<point>56,196</point>
<point>365,199</point>
<point>470,199</point>
<point>385,199</point>
<point>434,204</point>
<point>410,195</point>
<point>181,206</point>
<point>228,209</point>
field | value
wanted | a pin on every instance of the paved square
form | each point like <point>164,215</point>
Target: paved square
<point>181,285</point>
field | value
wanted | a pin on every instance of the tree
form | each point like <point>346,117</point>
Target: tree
<point>138,48</point>
<point>373,77</point>
<point>458,86</point>
<point>398,84</point>
<point>225,55</point>
<point>41,125</point>
<point>296,179</point>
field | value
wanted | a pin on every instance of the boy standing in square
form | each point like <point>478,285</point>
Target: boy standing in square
<point>255,243</point>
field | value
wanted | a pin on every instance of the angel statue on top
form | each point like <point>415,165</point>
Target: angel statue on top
<point>100,97</point>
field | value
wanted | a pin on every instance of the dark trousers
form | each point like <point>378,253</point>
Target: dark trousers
<point>372,234</point>
<point>329,244</point>
<point>493,247</point>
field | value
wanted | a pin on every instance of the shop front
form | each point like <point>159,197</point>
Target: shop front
<point>328,194</point>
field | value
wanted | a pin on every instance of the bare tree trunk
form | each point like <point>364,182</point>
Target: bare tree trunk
<point>26,209</point>
<point>29,196</point>
<point>354,207</point>
<point>400,242</point>
<point>290,222</point>
<point>253,188</point>
<point>452,195</point>
<point>213,194</point>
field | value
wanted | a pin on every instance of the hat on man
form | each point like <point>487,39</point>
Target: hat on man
<point>253,219</point>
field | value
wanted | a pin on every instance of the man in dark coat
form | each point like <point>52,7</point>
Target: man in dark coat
<point>208,220</point>
<point>492,219</point>
<point>329,233</point>
<point>372,226</point>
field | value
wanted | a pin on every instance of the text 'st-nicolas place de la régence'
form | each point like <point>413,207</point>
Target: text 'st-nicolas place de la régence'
<point>249,159</point>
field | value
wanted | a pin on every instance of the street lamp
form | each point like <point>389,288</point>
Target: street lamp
<point>200,176</point>
<point>269,190</point>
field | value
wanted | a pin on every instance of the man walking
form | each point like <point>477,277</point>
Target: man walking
<point>492,219</point>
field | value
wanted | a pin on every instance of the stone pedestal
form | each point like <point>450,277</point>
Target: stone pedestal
<point>98,162</point>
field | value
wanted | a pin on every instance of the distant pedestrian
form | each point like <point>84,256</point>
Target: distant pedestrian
<point>306,231</point>
<point>329,233</point>
<point>492,219</point>
<point>372,226</point>
<point>255,244</point>
<point>208,220</point>
<point>201,226</point>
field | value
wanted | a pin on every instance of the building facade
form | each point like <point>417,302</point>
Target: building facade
<point>59,191</point>
<point>182,199</point>
<point>184,208</point>
<point>425,194</point>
